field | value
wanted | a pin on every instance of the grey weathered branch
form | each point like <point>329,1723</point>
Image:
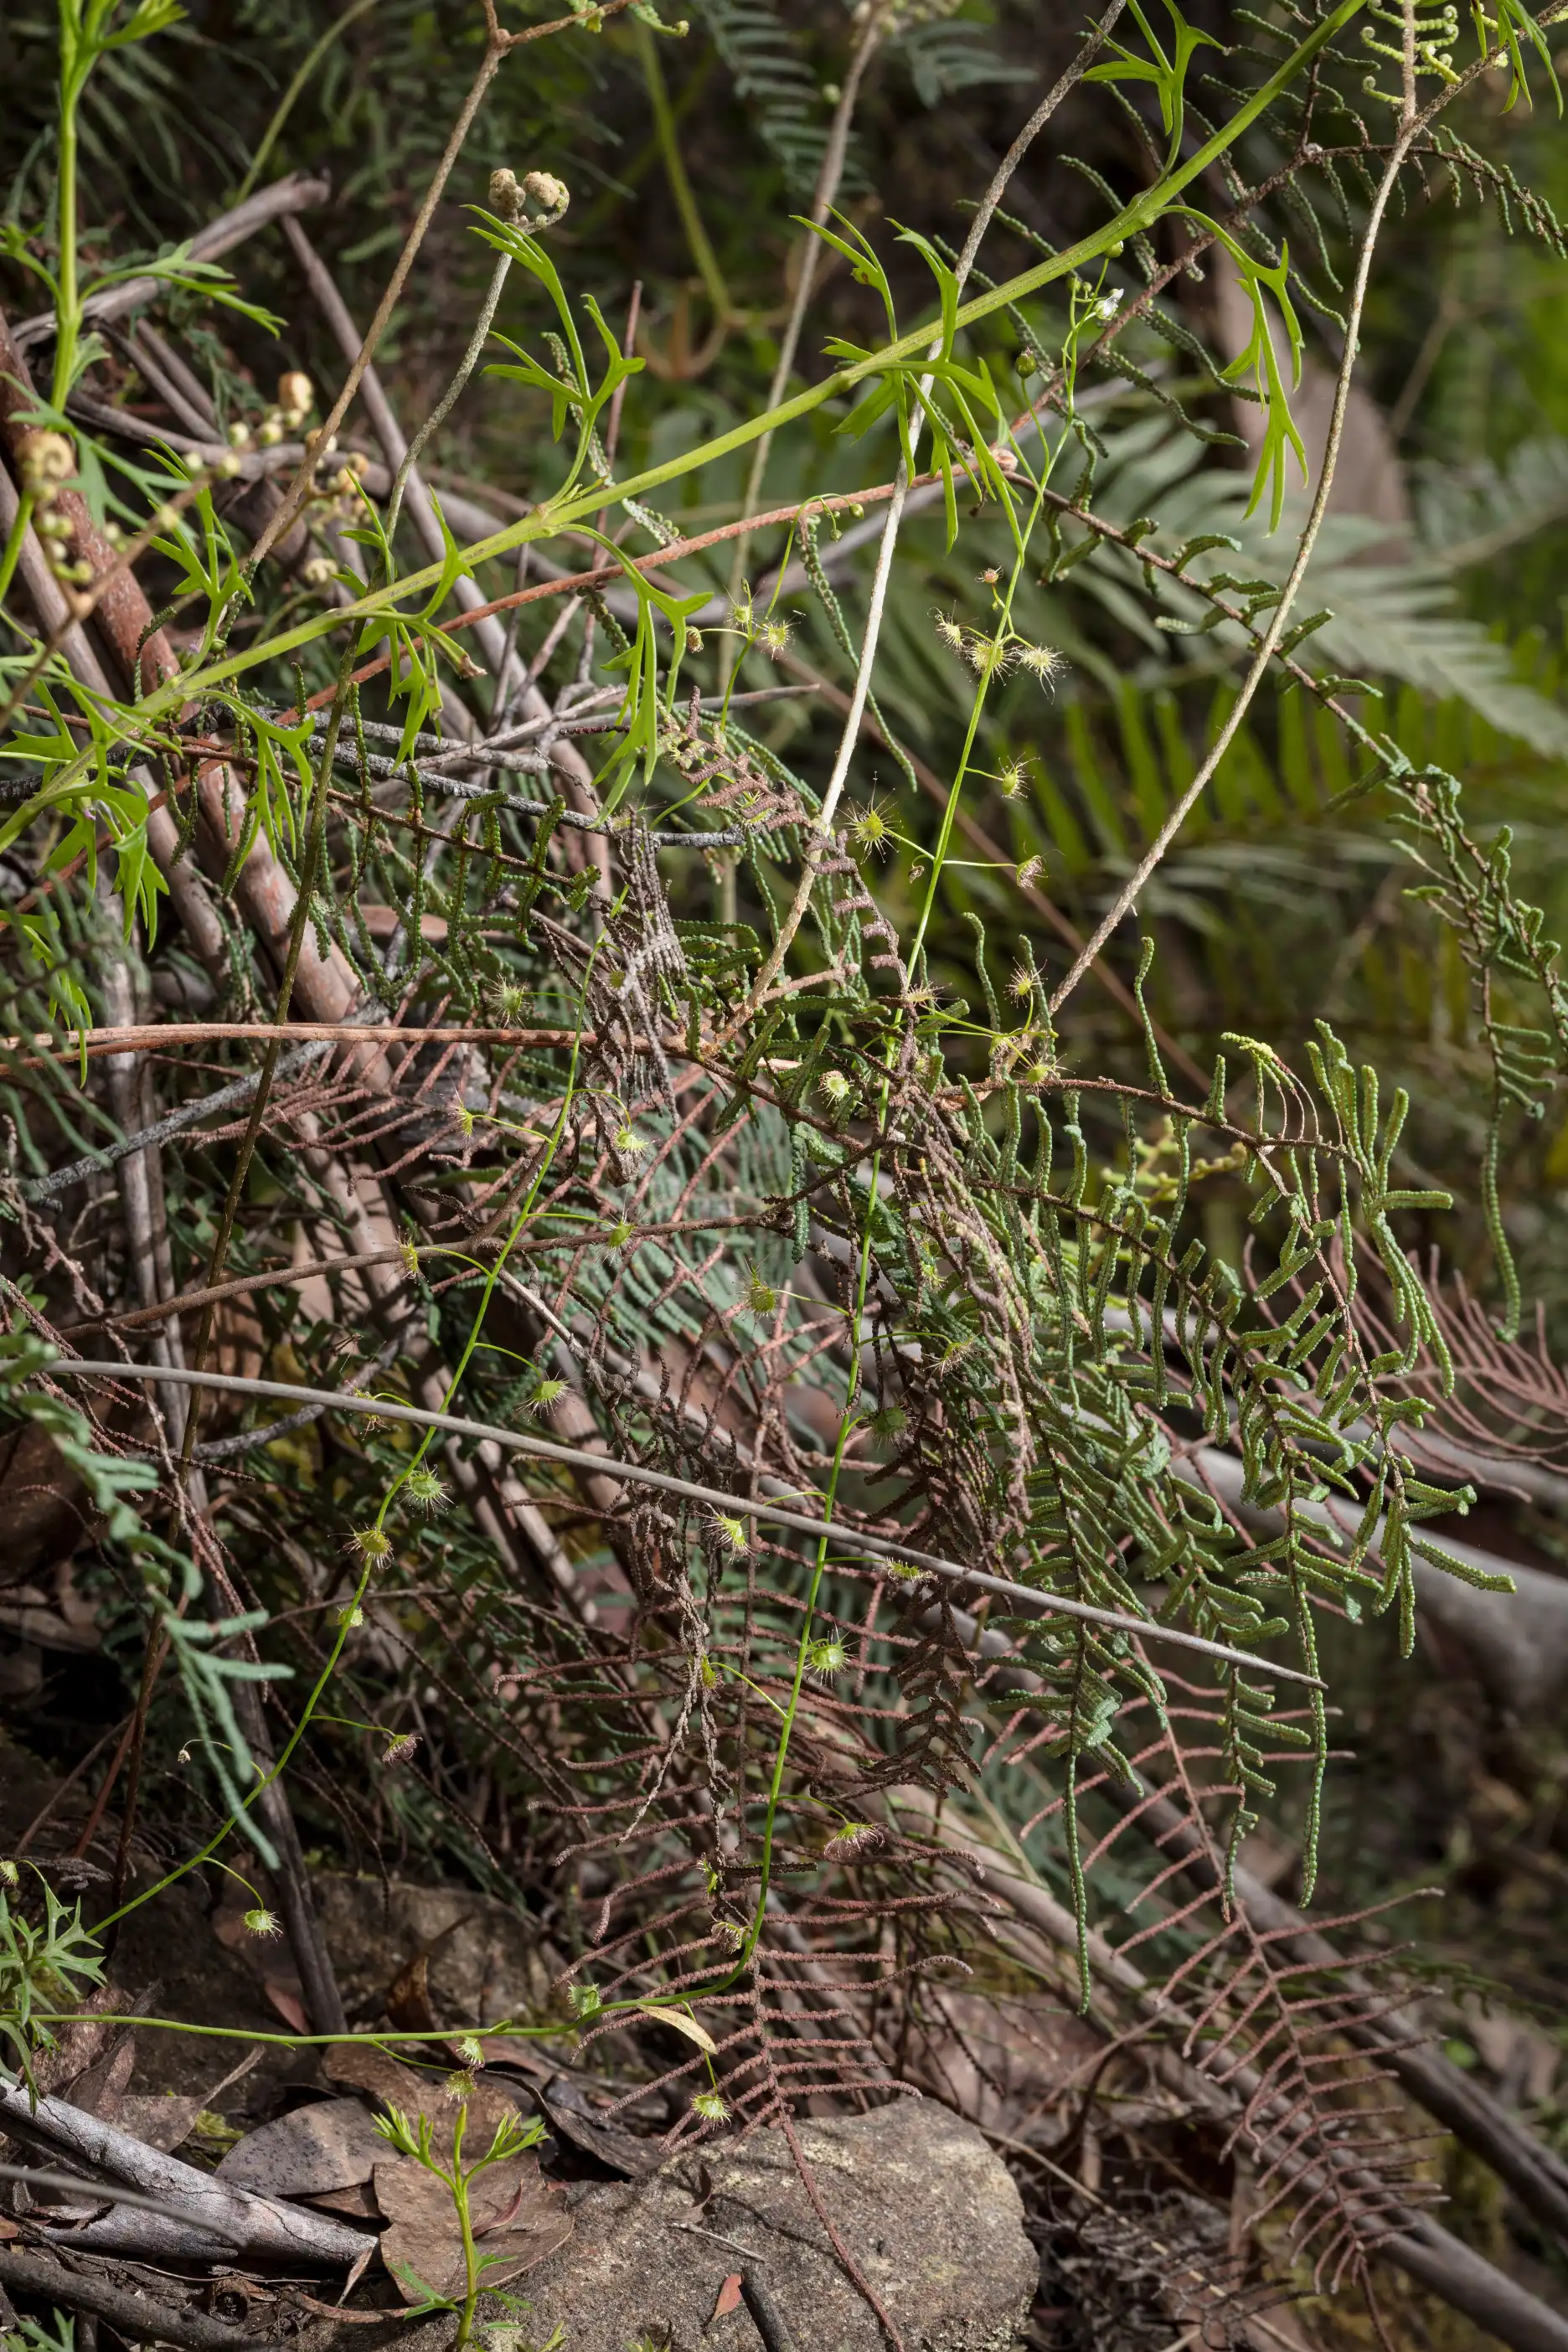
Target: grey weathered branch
<point>260,2228</point>
<point>298,192</point>
<point>136,2317</point>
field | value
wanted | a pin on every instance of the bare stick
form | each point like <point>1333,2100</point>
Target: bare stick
<point>850,735</point>
<point>1127,897</point>
<point>300,192</point>
<point>134,2315</point>
<point>741,1506</point>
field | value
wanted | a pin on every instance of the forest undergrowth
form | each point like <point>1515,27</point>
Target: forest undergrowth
<point>780,1128</point>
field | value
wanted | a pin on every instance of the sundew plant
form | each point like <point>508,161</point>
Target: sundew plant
<point>563,1222</point>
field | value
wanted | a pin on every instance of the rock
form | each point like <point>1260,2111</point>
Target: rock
<point>930,2214</point>
<point>483,1960</point>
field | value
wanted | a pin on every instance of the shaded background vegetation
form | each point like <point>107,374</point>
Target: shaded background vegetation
<point>1286,897</point>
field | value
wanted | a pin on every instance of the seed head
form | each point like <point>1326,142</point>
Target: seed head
<point>710,2106</point>
<point>546,1396</point>
<point>826,1658</point>
<point>262,1922</point>
<point>371,1543</point>
<point>731,1532</point>
<point>399,1751</point>
<point>1013,775</point>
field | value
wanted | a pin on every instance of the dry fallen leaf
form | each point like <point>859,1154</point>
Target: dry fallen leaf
<point>408,1997</point>
<point>355,2204</point>
<point>159,2119</point>
<point>518,2217</point>
<point>577,2115</point>
<point>729,2299</point>
<point>359,2066</point>
<point>333,2144</point>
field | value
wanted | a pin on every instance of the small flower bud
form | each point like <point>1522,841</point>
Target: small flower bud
<point>46,459</point>
<point>552,195</point>
<point>239,435</point>
<point>399,1751</point>
<point>506,196</point>
<point>296,394</point>
<point>318,571</point>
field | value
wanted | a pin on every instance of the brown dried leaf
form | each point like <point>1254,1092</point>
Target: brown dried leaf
<point>408,1997</point>
<point>333,2145</point>
<point>161,2119</point>
<point>359,2066</point>
<point>729,2299</point>
<point>356,2204</point>
<point>518,2217</point>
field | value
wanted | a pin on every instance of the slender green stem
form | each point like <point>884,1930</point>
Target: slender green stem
<point>556,516</point>
<point>373,1545</point>
<point>68,301</point>
<point>681,187</point>
<point>286,104</point>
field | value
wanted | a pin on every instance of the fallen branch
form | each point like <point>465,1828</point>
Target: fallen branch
<point>742,1506</point>
<point>134,2315</point>
<point>257,2226</point>
<point>300,192</point>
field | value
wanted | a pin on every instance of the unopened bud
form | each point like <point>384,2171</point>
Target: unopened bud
<point>506,196</point>
<point>239,435</point>
<point>48,460</point>
<point>317,572</point>
<point>543,189</point>
<point>296,393</point>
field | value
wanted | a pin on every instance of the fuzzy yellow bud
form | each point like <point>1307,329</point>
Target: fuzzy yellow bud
<point>543,189</point>
<point>505,195</point>
<point>296,393</point>
<point>48,460</point>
